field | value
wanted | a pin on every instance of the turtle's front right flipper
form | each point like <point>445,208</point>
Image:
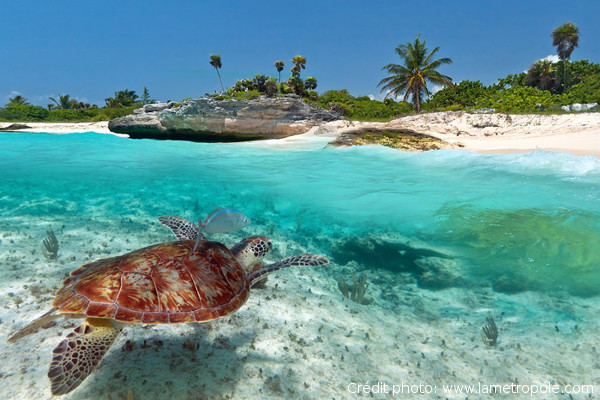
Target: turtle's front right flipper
<point>79,353</point>
<point>300,260</point>
<point>182,228</point>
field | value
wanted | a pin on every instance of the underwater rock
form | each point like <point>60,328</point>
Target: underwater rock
<point>440,273</point>
<point>400,139</point>
<point>434,268</point>
<point>210,120</point>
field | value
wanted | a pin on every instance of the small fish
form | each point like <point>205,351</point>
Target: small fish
<point>223,220</point>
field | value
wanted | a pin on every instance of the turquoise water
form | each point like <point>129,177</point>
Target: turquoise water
<point>516,222</point>
<point>443,239</point>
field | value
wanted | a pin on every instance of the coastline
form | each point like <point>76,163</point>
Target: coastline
<point>62,127</point>
<point>578,134</point>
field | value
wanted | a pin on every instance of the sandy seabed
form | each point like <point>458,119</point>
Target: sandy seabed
<point>298,337</point>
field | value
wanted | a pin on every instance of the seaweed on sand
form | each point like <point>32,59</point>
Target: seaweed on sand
<point>490,332</point>
<point>50,248</point>
<point>357,291</point>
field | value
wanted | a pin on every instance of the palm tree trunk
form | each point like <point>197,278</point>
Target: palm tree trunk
<point>417,91</point>
<point>564,75</point>
<point>222,87</point>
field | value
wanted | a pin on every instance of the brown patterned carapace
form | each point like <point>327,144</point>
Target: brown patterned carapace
<point>164,283</point>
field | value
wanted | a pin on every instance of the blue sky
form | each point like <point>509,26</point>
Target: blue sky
<point>90,49</point>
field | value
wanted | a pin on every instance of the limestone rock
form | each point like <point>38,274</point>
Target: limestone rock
<point>209,120</point>
<point>576,107</point>
<point>154,107</point>
<point>14,127</point>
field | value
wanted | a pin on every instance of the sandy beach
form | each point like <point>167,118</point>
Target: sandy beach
<point>578,134</point>
<point>62,127</point>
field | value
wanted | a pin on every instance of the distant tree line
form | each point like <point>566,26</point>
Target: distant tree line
<point>545,86</point>
<point>66,108</point>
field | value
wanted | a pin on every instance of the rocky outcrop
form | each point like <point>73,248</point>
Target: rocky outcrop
<point>209,120</point>
<point>576,107</point>
<point>14,127</point>
<point>400,139</point>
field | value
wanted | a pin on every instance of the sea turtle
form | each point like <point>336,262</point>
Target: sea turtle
<point>166,283</point>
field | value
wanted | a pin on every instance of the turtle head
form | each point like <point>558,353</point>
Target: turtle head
<point>250,250</point>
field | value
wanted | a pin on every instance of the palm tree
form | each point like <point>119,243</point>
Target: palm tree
<point>310,83</point>
<point>542,75</point>
<point>18,100</point>
<point>63,103</point>
<point>215,61</point>
<point>565,38</point>
<point>123,98</point>
<point>299,64</point>
<point>417,68</point>
<point>279,65</point>
<point>297,85</point>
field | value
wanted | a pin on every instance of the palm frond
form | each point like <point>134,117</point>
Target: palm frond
<point>416,69</point>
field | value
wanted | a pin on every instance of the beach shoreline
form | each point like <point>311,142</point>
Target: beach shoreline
<point>61,127</point>
<point>578,134</point>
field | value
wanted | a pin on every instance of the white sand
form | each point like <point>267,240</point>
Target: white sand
<point>298,337</point>
<point>63,127</point>
<point>578,134</point>
<point>500,133</point>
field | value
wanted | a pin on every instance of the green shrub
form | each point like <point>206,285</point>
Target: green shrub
<point>587,91</point>
<point>106,114</point>
<point>67,115</point>
<point>247,95</point>
<point>338,96</point>
<point>521,99</point>
<point>362,107</point>
<point>340,108</point>
<point>453,107</point>
<point>23,112</point>
<point>465,94</point>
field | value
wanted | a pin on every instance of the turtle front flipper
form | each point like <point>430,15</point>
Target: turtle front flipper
<point>301,260</point>
<point>35,325</point>
<point>79,353</point>
<point>182,228</point>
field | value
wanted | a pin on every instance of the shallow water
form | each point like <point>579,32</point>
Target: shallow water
<point>509,224</point>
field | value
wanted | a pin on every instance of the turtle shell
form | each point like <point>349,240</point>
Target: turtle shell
<point>164,283</point>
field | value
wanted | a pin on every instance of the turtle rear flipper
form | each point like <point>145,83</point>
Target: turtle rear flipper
<point>79,353</point>
<point>182,228</point>
<point>301,260</point>
<point>35,325</point>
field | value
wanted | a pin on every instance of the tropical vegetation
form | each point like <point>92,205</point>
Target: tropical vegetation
<point>544,87</point>
<point>66,108</point>
<point>410,78</point>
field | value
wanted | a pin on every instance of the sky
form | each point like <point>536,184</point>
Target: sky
<point>91,49</point>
